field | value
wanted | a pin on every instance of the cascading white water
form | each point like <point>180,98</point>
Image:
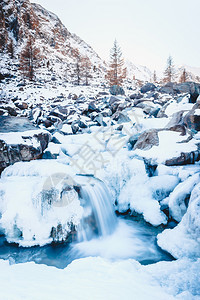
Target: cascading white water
<point>99,217</point>
<point>34,198</point>
<point>101,233</point>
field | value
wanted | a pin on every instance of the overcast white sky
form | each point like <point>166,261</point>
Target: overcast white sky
<point>147,30</point>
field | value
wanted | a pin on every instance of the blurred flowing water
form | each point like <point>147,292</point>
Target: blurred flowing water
<point>99,219</point>
<point>101,233</point>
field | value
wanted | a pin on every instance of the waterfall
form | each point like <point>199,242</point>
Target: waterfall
<point>99,218</point>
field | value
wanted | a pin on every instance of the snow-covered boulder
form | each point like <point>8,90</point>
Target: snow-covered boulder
<point>176,122</point>
<point>22,146</point>
<point>167,88</point>
<point>192,119</point>
<point>178,199</point>
<point>184,158</point>
<point>38,202</point>
<point>136,192</point>
<point>187,87</point>
<point>147,140</point>
<point>147,87</point>
<point>171,148</point>
<point>116,90</point>
<point>184,240</point>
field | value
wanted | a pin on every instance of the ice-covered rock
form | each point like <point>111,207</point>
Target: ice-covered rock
<point>133,190</point>
<point>38,202</point>
<point>179,277</point>
<point>179,198</point>
<point>183,240</point>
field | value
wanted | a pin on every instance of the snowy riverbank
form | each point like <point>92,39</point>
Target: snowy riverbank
<point>97,278</point>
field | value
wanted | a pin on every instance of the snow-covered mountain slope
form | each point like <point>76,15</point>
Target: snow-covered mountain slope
<point>192,73</point>
<point>55,49</point>
<point>138,72</point>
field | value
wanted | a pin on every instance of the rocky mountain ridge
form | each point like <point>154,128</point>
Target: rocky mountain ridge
<point>57,49</point>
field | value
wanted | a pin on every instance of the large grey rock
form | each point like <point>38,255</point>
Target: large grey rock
<point>161,113</point>
<point>139,101</point>
<point>72,96</point>
<point>123,105</point>
<point>121,117</point>
<point>31,146</point>
<point>192,119</point>
<point>133,139</point>
<point>54,119</point>
<point>102,93</point>
<point>147,87</point>
<point>194,92</point>
<point>154,111</point>
<point>12,112</point>
<point>177,118</point>
<point>146,109</point>
<point>147,140</point>
<point>113,99</point>
<point>153,94</point>
<point>35,114</point>
<point>176,123</point>
<point>92,107</point>
<point>74,127</point>
<point>58,114</point>
<point>47,123</point>
<point>63,110</point>
<point>116,90</point>
<point>82,124</point>
<point>136,96</point>
<point>184,159</point>
<point>167,89</point>
<point>99,120</point>
<point>2,112</point>
<point>191,88</point>
<point>21,105</point>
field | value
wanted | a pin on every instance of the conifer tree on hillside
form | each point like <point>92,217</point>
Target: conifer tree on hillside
<point>116,72</point>
<point>66,71</point>
<point>169,72</point>
<point>29,59</point>
<point>77,70</point>
<point>184,76</point>
<point>197,78</point>
<point>86,66</point>
<point>154,77</point>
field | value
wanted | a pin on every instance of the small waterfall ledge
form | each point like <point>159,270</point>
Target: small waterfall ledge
<point>99,218</point>
<point>42,202</point>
